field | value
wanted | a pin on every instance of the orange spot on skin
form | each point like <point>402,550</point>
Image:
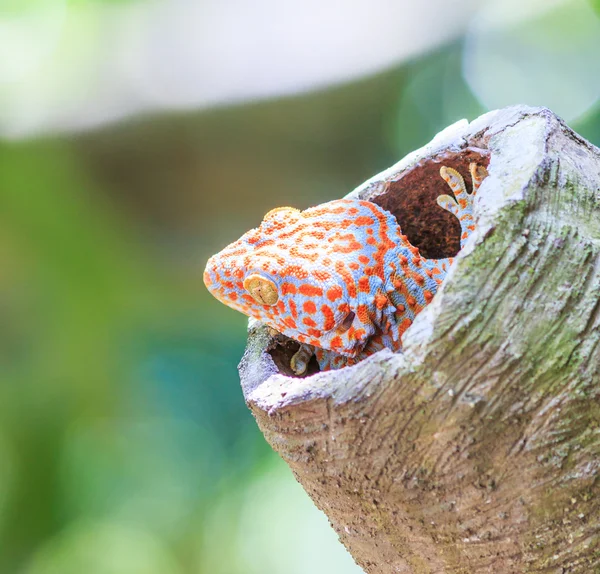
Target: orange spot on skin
<point>364,259</point>
<point>311,233</point>
<point>363,314</point>
<point>359,334</point>
<point>334,293</point>
<point>363,284</point>
<point>289,322</point>
<point>380,301</point>
<point>326,262</point>
<point>295,271</point>
<point>354,266</point>
<point>371,241</point>
<point>401,308</point>
<point>329,319</point>
<point>403,260</point>
<point>309,322</point>
<point>404,325</point>
<point>314,342</point>
<point>400,285</point>
<point>321,210</point>
<point>419,279</point>
<point>288,289</point>
<point>310,290</point>
<point>384,243</point>
<point>364,220</point>
<point>314,333</point>
<point>349,247</point>
<point>336,343</point>
<point>340,269</point>
<point>321,275</point>
<point>326,225</point>
<point>267,243</point>
<point>309,307</point>
<point>295,252</point>
<point>428,296</point>
<point>411,301</point>
<point>233,296</point>
<point>293,309</point>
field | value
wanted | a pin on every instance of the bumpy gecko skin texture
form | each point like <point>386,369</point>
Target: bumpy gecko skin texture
<point>341,278</point>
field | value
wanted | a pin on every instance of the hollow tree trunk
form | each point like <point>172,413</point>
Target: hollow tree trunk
<point>477,448</point>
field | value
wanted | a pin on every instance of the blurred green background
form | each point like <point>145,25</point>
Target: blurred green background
<point>125,445</point>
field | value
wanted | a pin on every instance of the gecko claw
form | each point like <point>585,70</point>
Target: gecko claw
<point>461,205</point>
<point>478,174</point>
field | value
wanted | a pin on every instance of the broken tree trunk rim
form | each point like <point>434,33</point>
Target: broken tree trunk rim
<point>477,448</point>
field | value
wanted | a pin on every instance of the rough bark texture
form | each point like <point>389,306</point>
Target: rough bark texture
<point>477,448</point>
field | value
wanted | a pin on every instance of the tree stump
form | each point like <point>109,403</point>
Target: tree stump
<point>477,448</point>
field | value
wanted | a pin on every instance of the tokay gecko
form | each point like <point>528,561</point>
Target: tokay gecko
<point>340,278</point>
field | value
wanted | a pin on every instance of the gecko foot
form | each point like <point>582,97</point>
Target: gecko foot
<point>461,205</point>
<point>300,359</point>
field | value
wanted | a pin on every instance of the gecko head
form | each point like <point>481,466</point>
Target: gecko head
<point>283,274</point>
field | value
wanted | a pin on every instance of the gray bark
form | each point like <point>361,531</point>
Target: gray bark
<point>476,449</point>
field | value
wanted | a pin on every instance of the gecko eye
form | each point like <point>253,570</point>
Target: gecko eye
<point>263,290</point>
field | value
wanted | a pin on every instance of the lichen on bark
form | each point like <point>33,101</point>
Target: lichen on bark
<point>477,448</point>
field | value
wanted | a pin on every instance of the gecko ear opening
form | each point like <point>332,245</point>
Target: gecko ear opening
<point>262,290</point>
<point>347,323</point>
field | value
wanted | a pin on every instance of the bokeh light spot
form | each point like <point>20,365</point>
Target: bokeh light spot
<point>535,53</point>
